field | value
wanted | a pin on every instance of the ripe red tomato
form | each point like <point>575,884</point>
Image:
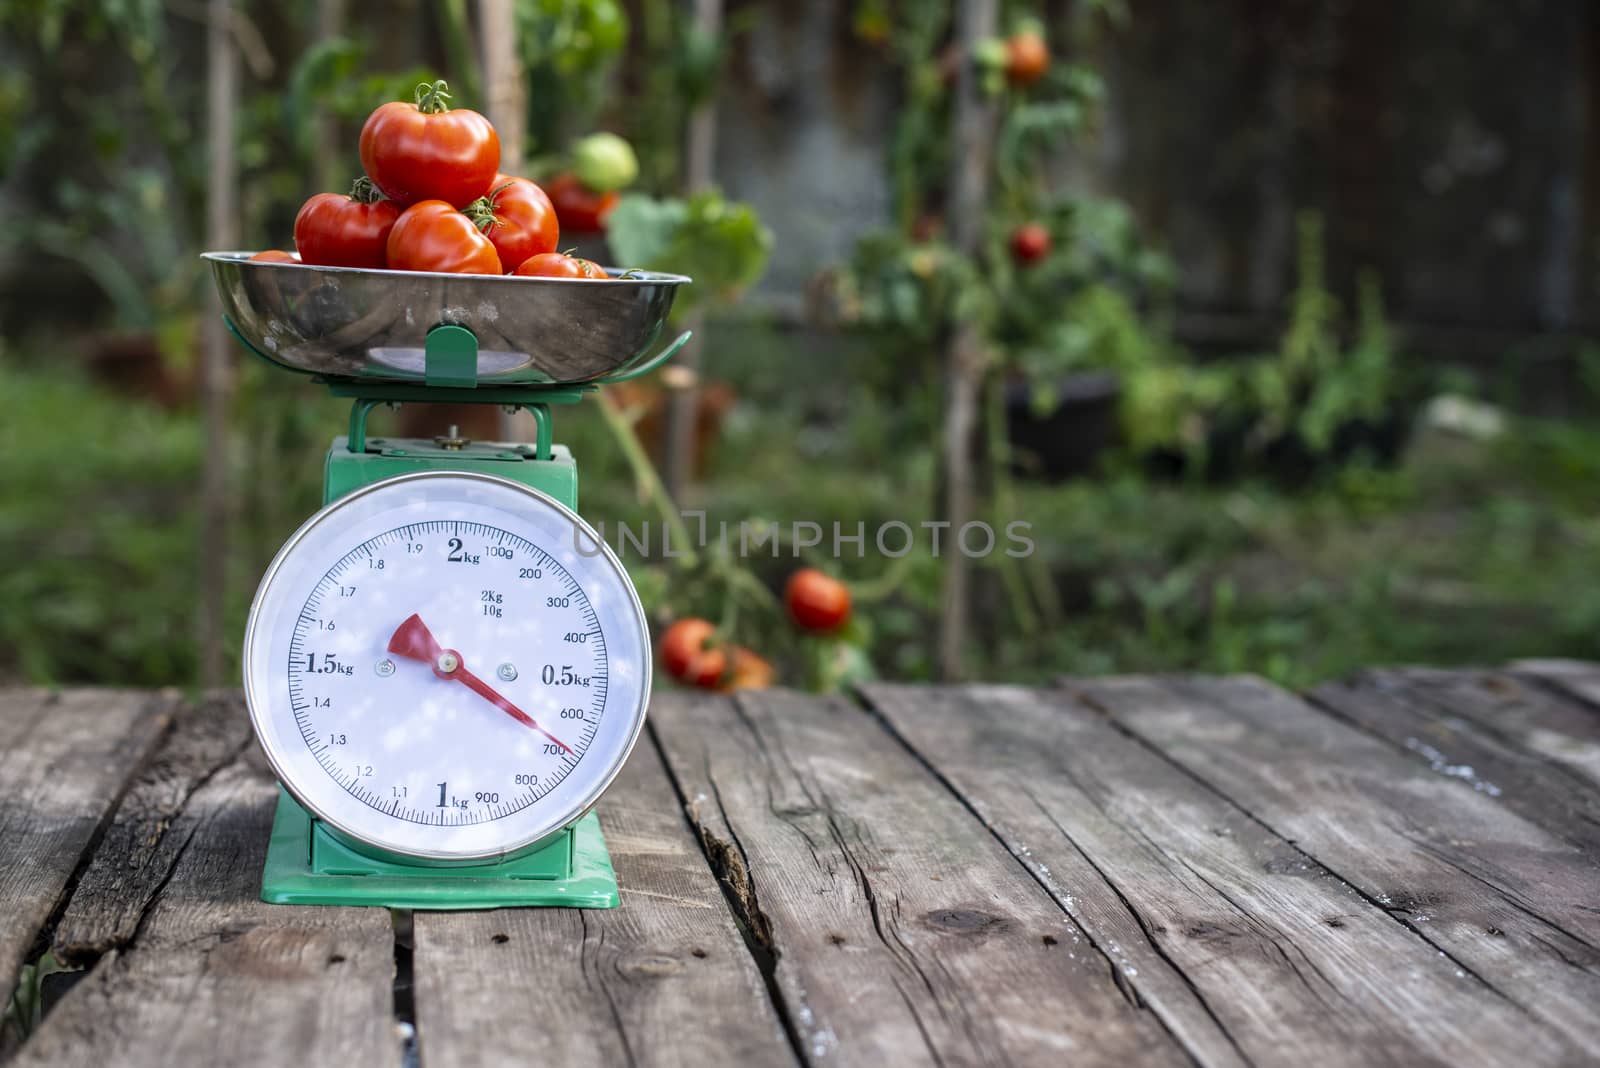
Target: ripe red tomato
<point>1027,57</point>
<point>750,672</point>
<point>274,255</point>
<point>518,218</point>
<point>433,236</point>
<point>426,151</point>
<point>689,655</point>
<point>560,265</point>
<point>580,209</point>
<point>339,230</point>
<point>1030,243</point>
<point>816,601</point>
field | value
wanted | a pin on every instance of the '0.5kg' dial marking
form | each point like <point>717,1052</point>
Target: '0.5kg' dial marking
<point>434,742</point>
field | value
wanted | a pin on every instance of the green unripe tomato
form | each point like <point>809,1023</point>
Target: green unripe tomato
<point>604,162</point>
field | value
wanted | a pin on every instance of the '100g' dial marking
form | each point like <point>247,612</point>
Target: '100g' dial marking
<point>392,730</point>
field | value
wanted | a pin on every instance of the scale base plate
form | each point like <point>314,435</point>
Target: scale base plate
<point>308,866</point>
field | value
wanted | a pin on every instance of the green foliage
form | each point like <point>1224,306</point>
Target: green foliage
<point>1306,392</point>
<point>1084,305</point>
<point>126,207</point>
<point>25,1010</point>
<point>722,245</point>
<point>569,49</point>
<point>909,292</point>
<point>101,526</point>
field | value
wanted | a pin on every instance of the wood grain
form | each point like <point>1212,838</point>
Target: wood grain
<point>1250,950</point>
<point>149,830</point>
<point>902,931</point>
<point>1526,746</point>
<point>64,758</point>
<point>1580,678</point>
<point>215,976</point>
<point>1505,900</point>
<point>664,980</point>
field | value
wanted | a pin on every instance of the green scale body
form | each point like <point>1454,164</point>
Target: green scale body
<point>309,863</point>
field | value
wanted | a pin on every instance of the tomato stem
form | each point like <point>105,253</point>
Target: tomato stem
<point>432,99</point>
<point>365,191</point>
<point>481,212</point>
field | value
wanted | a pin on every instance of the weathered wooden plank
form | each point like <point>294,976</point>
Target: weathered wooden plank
<point>64,758</point>
<point>149,830</point>
<point>1506,900</point>
<point>664,980</point>
<point>215,976</point>
<point>1505,737</point>
<point>1580,678</point>
<point>903,932</point>
<point>1244,944</point>
<point>1554,723</point>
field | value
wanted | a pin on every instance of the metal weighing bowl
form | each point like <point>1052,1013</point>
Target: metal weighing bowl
<point>351,322</point>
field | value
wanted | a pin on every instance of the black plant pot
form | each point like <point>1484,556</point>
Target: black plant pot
<point>1071,438</point>
<point>1288,459</point>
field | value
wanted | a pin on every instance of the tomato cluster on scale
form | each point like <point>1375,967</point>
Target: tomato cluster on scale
<point>433,199</point>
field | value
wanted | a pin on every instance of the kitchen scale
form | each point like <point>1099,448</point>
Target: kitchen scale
<point>445,666</point>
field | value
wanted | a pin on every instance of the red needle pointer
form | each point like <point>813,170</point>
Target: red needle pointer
<point>413,640</point>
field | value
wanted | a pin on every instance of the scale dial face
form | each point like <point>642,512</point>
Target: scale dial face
<point>447,665</point>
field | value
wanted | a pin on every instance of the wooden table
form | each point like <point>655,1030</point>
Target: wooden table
<point>1400,869</point>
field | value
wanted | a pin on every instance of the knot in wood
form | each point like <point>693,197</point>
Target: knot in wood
<point>655,966</point>
<point>966,921</point>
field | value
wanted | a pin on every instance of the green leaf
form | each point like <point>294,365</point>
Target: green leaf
<point>723,246</point>
<point>641,229</point>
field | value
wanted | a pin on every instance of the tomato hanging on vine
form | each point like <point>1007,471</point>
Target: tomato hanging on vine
<point>690,653</point>
<point>581,209</point>
<point>1030,243</point>
<point>1027,57</point>
<point>816,601</point>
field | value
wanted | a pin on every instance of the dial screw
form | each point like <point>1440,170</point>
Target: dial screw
<point>384,668</point>
<point>448,662</point>
<point>506,672</point>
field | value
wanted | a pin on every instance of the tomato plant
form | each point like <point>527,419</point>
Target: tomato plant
<point>346,230</point>
<point>580,209</point>
<point>518,219</point>
<point>433,236</point>
<point>689,653</point>
<point>817,602</point>
<point>425,150</point>
<point>559,265</point>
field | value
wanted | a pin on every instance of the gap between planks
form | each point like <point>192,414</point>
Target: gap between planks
<point>1229,922</point>
<point>66,758</point>
<point>1499,896</point>
<point>901,929</point>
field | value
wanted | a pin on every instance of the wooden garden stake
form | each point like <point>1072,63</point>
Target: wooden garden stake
<point>216,384</point>
<point>505,105</point>
<point>971,135</point>
<point>699,162</point>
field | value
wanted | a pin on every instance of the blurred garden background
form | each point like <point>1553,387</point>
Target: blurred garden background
<point>1273,319</point>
